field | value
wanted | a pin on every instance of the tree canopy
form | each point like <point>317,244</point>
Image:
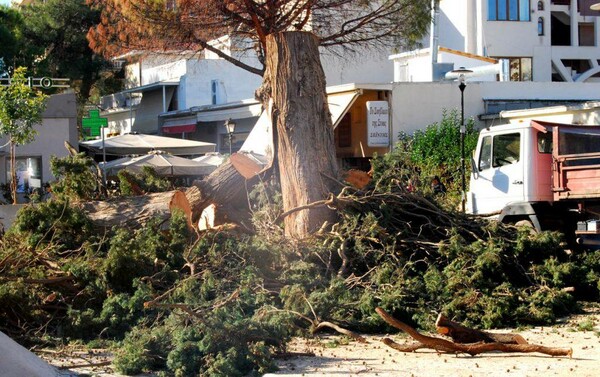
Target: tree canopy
<point>151,25</point>
<point>54,34</point>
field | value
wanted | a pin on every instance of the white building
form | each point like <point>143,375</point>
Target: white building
<point>59,124</point>
<point>192,95</point>
<point>523,53</point>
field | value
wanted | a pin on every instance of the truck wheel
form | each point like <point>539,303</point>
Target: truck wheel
<point>527,224</point>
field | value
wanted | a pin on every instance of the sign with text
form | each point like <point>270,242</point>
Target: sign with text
<point>378,119</point>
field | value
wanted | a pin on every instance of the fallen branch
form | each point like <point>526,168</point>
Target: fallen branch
<point>471,349</point>
<point>87,365</point>
<point>408,347</point>
<point>54,280</point>
<point>463,334</point>
<point>319,203</point>
<point>341,330</point>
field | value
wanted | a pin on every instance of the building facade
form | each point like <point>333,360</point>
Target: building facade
<point>522,54</point>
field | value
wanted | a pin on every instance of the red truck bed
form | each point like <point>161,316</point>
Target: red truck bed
<point>576,162</point>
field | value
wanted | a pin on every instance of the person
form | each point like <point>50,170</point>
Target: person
<point>437,186</point>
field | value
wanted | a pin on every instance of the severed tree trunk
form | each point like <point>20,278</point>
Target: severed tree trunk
<point>224,187</point>
<point>295,82</point>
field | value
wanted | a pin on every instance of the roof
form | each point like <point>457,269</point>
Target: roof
<point>151,87</point>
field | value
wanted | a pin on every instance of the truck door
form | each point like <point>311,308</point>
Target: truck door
<point>499,177</point>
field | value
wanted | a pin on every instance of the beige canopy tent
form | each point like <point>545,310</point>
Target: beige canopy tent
<point>164,164</point>
<point>130,144</point>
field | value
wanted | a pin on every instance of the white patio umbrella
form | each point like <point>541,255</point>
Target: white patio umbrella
<point>130,144</point>
<point>212,158</point>
<point>163,163</point>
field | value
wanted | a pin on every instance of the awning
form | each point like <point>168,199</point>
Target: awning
<point>240,112</point>
<point>181,129</point>
<point>179,125</point>
<point>339,103</point>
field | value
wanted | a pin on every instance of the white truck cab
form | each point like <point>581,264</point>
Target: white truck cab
<point>547,174</point>
<point>512,164</point>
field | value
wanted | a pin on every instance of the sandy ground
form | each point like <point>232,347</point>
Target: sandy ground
<point>336,356</point>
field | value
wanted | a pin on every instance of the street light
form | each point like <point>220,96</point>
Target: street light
<point>230,127</point>
<point>463,129</point>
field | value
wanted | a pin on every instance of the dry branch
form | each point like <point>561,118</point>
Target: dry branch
<point>463,334</point>
<point>341,330</point>
<point>471,349</point>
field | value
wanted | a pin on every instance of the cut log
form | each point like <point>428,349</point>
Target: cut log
<point>444,345</point>
<point>463,334</point>
<point>223,186</point>
<point>130,211</point>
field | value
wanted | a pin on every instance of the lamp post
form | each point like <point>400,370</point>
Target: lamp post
<point>463,129</point>
<point>230,127</point>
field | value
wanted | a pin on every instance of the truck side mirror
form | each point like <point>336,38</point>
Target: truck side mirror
<point>474,169</point>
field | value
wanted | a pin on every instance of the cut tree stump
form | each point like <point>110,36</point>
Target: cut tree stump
<point>443,345</point>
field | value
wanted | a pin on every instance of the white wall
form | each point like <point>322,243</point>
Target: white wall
<point>237,84</point>
<point>417,105</point>
<point>49,141</point>
<point>361,67</point>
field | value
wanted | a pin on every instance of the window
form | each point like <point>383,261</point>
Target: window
<point>506,149</point>
<point>508,10</point>
<point>541,26</point>
<point>540,5</point>
<point>520,69</point>
<point>499,151</point>
<point>29,173</point>
<point>237,140</point>
<point>485,156</point>
<point>214,89</point>
<point>544,142</point>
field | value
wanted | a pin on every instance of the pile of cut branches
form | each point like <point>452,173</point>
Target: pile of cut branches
<point>223,302</point>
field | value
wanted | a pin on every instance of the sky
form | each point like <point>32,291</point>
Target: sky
<point>4,2</point>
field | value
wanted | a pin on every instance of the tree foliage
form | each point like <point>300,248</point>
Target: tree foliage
<point>11,23</point>
<point>76,177</point>
<point>54,32</point>
<point>21,109</point>
<point>147,25</point>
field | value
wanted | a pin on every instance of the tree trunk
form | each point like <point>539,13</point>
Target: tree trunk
<point>295,82</point>
<point>13,172</point>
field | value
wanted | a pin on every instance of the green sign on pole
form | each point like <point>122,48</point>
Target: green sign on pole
<point>92,125</point>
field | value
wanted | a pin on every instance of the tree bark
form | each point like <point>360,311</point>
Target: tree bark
<point>224,186</point>
<point>295,82</point>
<point>463,334</point>
<point>131,211</point>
